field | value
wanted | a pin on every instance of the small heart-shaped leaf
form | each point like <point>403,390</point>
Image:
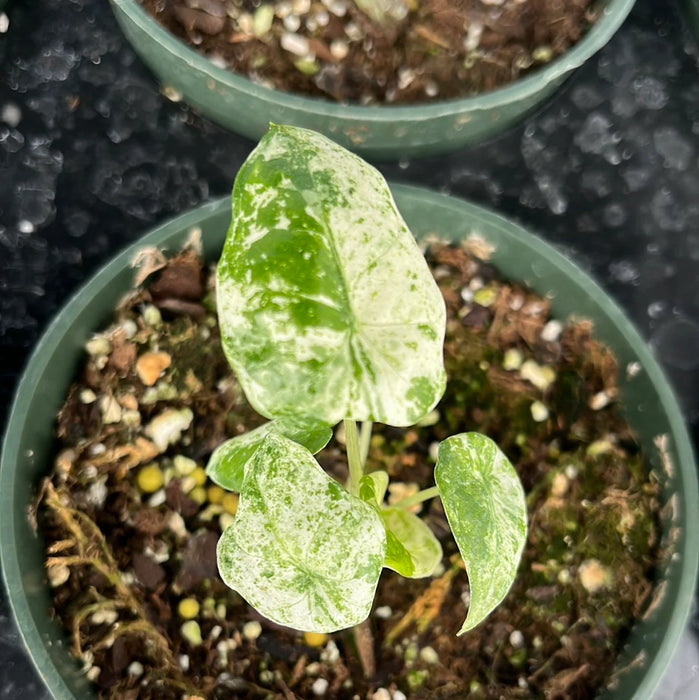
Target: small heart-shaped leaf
<point>485,505</point>
<point>411,547</point>
<point>301,550</point>
<point>326,304</point>
<point>226,465</point>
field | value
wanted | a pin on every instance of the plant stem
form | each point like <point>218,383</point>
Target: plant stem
<point>365,441</point>
<point>418,497</point>
<point>354,459</point>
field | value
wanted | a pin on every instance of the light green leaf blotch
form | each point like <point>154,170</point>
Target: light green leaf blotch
<point>372,487</point>
<point>226,465</point>
<point>301,550</point>
<point>485,505</point>
<point>326,304</point>
<point>411,548</point>
<point>418,552</point>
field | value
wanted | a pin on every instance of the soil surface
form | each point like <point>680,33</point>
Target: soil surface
<point>420,51</point>
<point>131,523</point>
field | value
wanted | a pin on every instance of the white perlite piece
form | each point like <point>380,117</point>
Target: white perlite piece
<point>294,43</point>
<point>552,331</point>
<point>252,630</point>
<point>320,686</point>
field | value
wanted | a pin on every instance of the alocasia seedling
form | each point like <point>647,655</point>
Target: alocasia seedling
<point>329,312</point>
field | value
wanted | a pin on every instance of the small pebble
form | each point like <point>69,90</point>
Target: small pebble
<point>183,661</point>
<point>230,502</point>
<point>225,520</point>
<point>191,631</point>
<point>559,485</point>
<point>149,478</point>
<point>188,608</point>
<point>135,669</point>
<point>599,400</point>
<point>87,396</point>
<point>315,639</point>
<point>58,575</point>
<point>539,411</point>
<point>383,612</point>
<point>512,360</point>
<point>111,410</point>
<point>594,576</point>
<point>294,43</point>
<point>183,465</point>
<point>381,694</point>
<point>215,495</point>
<point>98,346</point>
<point>541,376</point>
<point>320,686</point>
<point>429,655</point>
<point>517,639</point>
<point>552,331</point>
<point>167,426</point>
<point>399,695</point>
<point>151,365</point>
<point>151,315</point>
<point>157,499</point>
<point>252,630</point>
<point>93,673</point>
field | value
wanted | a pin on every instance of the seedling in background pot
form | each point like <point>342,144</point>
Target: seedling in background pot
<point>329,313</point>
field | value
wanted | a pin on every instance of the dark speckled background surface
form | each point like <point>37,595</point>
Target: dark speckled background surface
<point>91,155</point>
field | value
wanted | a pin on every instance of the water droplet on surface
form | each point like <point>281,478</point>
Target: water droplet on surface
<point>677,153</point>
<point>676,342</point>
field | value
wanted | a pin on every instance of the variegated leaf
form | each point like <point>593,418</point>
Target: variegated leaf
<point>226,466</point>
<point>412,549</point>
<point>327,306</point>
<point>301,550</point>
<point>485,506</point>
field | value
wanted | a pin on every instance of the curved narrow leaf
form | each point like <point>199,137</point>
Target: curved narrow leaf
<point>411,547</point>
<point>301,550</point>
<point>485,505</point>
<point>226,465</point>
<point>327,306</point>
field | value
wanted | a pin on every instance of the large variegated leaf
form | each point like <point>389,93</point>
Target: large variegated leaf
<point>485,505</point>
<point>327,307</point>
<point>412,549</point>
<point>226,466</point>
<point>301,550</point>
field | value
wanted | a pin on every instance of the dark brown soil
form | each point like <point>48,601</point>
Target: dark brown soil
<point>440,49</point>
<point>121,559</point>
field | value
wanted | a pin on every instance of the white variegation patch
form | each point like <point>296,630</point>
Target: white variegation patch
<point>486,509</point>
<point>301,550</point>
<point>332,311</point>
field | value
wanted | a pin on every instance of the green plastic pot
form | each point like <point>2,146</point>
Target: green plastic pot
<point>380,132</point>
<point>651,409</point>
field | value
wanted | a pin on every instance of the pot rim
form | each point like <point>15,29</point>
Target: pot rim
<point>684,571</point>
<point>614,13</point>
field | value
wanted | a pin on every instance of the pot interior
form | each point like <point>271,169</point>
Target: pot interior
<point>650,408</point>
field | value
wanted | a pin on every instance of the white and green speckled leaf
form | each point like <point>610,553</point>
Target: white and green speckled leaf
<point>485,506</point>
<point>226,465</point>
<point>301,550</point>
<point>326,304</point>
<point>412,549</point>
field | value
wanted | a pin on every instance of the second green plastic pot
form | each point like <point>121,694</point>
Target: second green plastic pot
<point>380,132</point>
<point>650,407</point>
